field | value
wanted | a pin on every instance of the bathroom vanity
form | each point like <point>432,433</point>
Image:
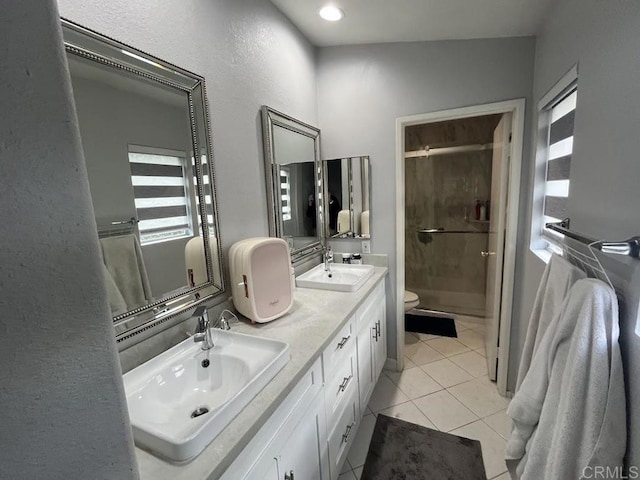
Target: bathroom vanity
<point>303,422</point>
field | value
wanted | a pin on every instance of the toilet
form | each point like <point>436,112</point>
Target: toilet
<point>411,301</point>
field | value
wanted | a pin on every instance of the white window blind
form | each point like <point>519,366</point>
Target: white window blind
<point>161,195</point>
<point>207,194</point>
<point>560,149</point>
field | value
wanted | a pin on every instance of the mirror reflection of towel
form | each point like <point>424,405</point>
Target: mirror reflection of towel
<point>344,221</point>
<point>123,258</point>
<point>364,224</point>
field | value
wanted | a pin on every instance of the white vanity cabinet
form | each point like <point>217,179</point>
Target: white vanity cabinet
<point>371,342</point>
<point>309,435</point>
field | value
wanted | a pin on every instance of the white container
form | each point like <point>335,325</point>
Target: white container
<point>262,279</point>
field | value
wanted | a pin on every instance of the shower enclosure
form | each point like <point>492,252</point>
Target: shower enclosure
<point>447,189</point>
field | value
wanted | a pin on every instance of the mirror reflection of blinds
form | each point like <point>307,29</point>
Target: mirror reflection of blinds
<point>285,193</point>
<point>160,196</point>
<point>562,115</point>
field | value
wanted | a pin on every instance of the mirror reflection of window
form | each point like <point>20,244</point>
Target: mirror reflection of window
<point>285,193</point>
<point>160,194</point>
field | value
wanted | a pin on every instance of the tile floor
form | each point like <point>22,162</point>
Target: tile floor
<point>444,386</point>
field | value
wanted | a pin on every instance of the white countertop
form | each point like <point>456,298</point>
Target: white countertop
<point>316,316</point>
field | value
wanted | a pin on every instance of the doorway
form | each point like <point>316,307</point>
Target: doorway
<point>457,181</point>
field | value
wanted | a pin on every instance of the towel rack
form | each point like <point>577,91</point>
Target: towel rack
<point>118,227</point>
<point>630,247</point>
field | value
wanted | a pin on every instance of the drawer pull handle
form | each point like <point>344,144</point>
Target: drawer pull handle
<point>345,382</point>
<point>288,476</point>
<point>377,330</point>
<point>345,436</point>
<point>344,340</point>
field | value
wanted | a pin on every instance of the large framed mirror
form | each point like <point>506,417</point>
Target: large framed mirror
<point>294,182</point>
<point>144,128</point>
<point>347,197</point>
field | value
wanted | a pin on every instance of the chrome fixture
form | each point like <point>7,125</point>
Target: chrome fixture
<point>630,247</point>
<point>203,330</point>
<point>328,260</point>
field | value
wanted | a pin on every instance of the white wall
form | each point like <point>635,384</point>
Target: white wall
<point>249,54</point>
<point>363,89</point>
<point>62,407</point>
<point>603,37</point>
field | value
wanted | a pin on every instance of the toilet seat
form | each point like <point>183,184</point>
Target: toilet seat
<point>411,300</point>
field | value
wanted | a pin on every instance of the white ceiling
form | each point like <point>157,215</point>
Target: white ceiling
<point>381,21</point>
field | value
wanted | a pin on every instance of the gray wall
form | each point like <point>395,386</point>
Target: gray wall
<point>249,54</point>
<point>363,89</point>
<point>603,37</point>
<point>63,413</point>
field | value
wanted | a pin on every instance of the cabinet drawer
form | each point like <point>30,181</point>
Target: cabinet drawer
<point>344,340</point>
<point>339,385</point>
<point>342,435</point>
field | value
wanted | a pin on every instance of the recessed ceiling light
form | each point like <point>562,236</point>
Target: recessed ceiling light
<point>331,13</point>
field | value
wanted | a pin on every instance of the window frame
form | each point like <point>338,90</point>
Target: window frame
<point>544,242</point>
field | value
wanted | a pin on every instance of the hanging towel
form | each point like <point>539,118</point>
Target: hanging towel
<point>344,221</point>
<point>364,224</point>
<point>116,301</point>
<point>569,414</point>
<point>123,257</point>
<point>558,278</point>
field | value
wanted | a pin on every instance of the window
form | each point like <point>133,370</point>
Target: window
<point>556,114</point>
<point>560,148</point>
<point>160,194</point>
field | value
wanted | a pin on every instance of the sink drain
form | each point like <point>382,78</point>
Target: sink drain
<point>199,411</point>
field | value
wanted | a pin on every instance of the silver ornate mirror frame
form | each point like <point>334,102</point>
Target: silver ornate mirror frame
<point>123,58</point>
<point>270,119</point>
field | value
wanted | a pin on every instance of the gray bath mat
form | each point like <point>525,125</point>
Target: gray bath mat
<point>401,450</point>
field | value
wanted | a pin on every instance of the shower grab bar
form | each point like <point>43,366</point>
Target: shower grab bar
<point>442,230</point>
<point>630,247</point>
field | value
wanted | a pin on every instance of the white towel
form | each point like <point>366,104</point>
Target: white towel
<point>569,414</point>
<point>123,257</point>
<point>344,221</point>
<point>116,301</point>
<point>558,278</point>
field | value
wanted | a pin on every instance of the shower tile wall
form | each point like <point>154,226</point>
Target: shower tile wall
<point>446,270</point>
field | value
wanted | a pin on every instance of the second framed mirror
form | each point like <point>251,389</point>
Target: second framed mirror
<point>347,197</point>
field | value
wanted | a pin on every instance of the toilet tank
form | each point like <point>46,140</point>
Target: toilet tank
<point>262,280</point>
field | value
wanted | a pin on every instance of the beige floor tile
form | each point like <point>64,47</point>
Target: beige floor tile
<point>472,362</point>
<point>358,452</point>
<point>414,382</point>
<point>446,373</point>
<point>471,339</point>
<point>444,411</point>
<point>460,326</point>
<point>493,446</point>
<point>500,423</point>
<point>385,395</point>
<point>480,396</point>
<point>422,353</point>
<point>447,346</point>
<point>409,413</point>
<point>408,363</point>
<point>358,472</point>
<point>426,336</point>
<point>346,467</point>
<point>481,352</point>
<point>410,338</point>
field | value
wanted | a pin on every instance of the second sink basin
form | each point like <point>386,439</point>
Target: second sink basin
<point>344,278</point>
<point>181,400</point>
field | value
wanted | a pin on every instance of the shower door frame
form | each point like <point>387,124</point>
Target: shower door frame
<point>517,108</point>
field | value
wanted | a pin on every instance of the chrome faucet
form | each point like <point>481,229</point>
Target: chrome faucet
<point>328,260</point>
<point>203,330</point>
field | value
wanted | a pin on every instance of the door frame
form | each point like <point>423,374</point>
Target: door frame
<point>517,108</point>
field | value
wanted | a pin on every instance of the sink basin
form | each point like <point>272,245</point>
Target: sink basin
<point>344,278</point>
<point>177,406</point>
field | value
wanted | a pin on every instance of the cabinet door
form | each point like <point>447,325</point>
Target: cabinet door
<point>303,453</point>
<point>379,338</point>
<point>265,469</point>
<point>366,379</point>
